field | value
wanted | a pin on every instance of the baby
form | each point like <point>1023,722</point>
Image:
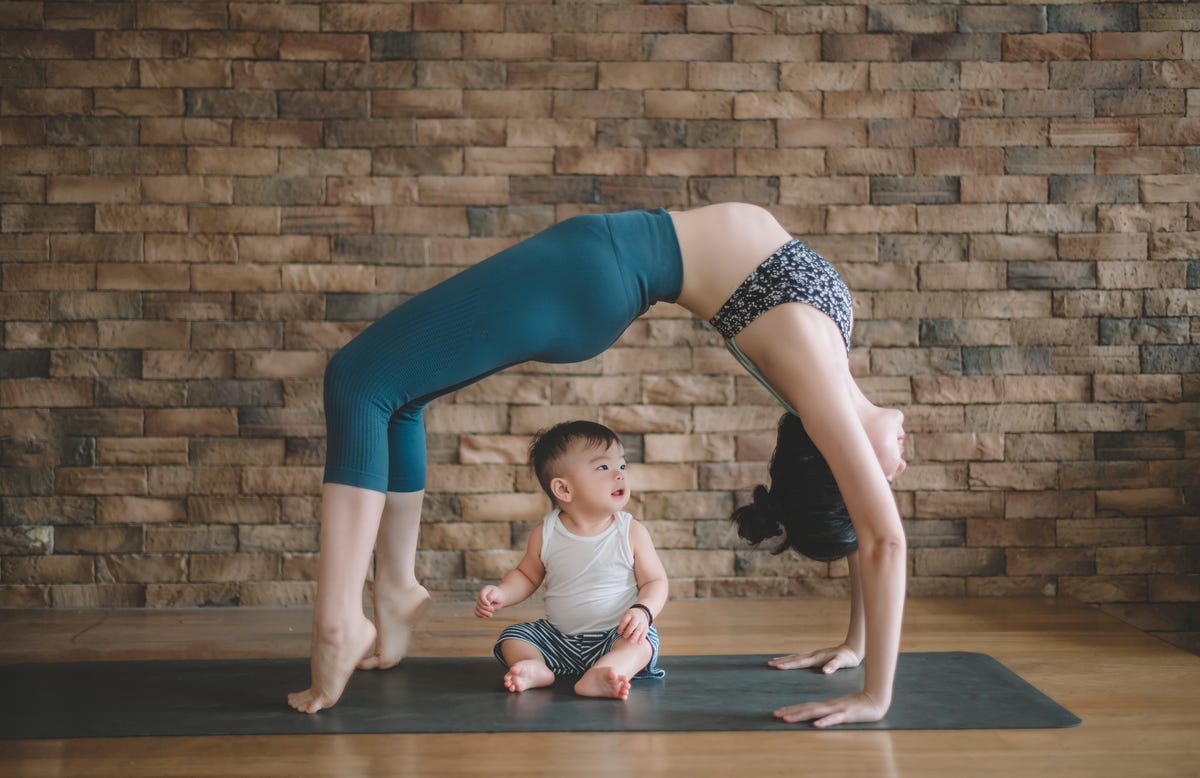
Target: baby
<point>604,581</point>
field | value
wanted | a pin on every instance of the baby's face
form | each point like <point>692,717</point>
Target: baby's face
<point>597,478</point>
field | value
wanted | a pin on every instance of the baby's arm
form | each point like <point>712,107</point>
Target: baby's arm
<point>518,584</point>
<point>652,584</point>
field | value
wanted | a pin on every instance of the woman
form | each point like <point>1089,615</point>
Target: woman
<point>565,295</point>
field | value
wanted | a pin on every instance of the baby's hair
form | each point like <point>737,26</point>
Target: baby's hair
<point>551,444</point>
<point>803,503</point>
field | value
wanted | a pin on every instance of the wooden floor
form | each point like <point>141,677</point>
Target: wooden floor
<point>1139,698</point>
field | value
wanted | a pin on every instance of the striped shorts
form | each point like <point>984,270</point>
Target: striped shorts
<point>573,654</point>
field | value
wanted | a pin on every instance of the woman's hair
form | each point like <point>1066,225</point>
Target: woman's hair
<point>803,503</point>
<point>549,445</point>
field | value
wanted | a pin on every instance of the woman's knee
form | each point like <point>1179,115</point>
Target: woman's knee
<point>344,378</point>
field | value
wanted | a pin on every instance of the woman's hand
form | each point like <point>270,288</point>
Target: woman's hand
<point>829,713</point>
<point>828,659</point>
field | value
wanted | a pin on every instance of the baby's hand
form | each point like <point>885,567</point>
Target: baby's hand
<point>489,601</point>
<point>634,625</point>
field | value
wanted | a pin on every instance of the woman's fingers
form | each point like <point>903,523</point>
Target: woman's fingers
<point>830,713</point>
<point>794,661</point>
<point>831,720</point>
<point>828,659</point>
<point>819,713</point>
<point>804,712</point>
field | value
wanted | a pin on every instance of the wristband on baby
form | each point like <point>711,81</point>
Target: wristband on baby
<point>649,615</point>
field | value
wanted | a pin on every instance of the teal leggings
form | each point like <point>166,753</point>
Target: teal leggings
<point>564,295</point>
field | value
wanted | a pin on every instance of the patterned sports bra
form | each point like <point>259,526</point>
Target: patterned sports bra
<point>794,273</point>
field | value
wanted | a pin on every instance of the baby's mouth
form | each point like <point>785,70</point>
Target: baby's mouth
<point>618,493</point>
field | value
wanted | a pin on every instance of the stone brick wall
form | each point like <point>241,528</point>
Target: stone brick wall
<point>200,201</point>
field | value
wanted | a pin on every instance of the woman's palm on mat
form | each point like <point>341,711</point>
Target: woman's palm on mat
<point>828,659</point>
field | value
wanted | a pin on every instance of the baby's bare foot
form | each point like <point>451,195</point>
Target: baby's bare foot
<point>396,613</point>
<point>333,662</point>
<point>528,674</point>
<point>603,682</point>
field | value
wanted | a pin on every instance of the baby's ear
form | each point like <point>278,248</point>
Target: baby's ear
<point>560,489</point>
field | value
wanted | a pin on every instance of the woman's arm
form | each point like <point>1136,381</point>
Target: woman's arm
<point>856,634</point>
<point>799,351</point>
<point>852,650</point>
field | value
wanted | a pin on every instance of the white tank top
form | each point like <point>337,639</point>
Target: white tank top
<point>589,580</point>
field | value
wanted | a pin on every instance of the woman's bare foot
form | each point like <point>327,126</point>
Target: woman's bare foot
<point>528,674</point>
<point>603,682</point>
<point>333,662</point>
<point>396,613</point>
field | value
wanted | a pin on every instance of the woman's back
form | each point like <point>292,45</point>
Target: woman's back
<point>721,245</point>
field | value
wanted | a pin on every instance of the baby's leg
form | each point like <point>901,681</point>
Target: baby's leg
<point>609,677</point>
<point>341,634</point>
<point>526,666</point>
<point>400,600</point>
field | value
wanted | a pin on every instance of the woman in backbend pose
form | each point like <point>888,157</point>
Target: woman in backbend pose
<point>565,295</point>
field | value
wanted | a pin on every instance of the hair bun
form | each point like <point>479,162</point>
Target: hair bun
<point>760,519</point>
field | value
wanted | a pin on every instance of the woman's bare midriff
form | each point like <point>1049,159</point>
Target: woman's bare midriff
<point>721,245</point>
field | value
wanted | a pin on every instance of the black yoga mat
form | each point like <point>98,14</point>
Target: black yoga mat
<point>954,690</point>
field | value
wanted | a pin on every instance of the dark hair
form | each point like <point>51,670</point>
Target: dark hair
<point>551,444</point>
<point>803,504</point>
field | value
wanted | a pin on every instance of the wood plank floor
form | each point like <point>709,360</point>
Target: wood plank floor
<point>1139,698</point>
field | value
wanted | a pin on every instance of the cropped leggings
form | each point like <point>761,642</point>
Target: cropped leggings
<point>563,295</point>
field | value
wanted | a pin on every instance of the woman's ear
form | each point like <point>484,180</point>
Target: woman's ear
<point>561,490</point>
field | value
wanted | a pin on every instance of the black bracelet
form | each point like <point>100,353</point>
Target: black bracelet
<point>649,615</point>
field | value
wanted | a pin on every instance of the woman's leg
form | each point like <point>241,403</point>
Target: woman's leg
<point>557,296</point>
<point>400,599</point>
<point>341,635</point>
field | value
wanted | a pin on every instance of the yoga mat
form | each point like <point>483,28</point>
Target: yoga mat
<point>954,690</point>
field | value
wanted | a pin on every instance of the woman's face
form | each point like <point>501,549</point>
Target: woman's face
<point>885,428</point>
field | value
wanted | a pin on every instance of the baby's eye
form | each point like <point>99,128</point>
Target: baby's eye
<point>602,467</point>
<point>622,465</point>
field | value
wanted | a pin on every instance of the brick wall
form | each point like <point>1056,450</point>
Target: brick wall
<point>200,201</point>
